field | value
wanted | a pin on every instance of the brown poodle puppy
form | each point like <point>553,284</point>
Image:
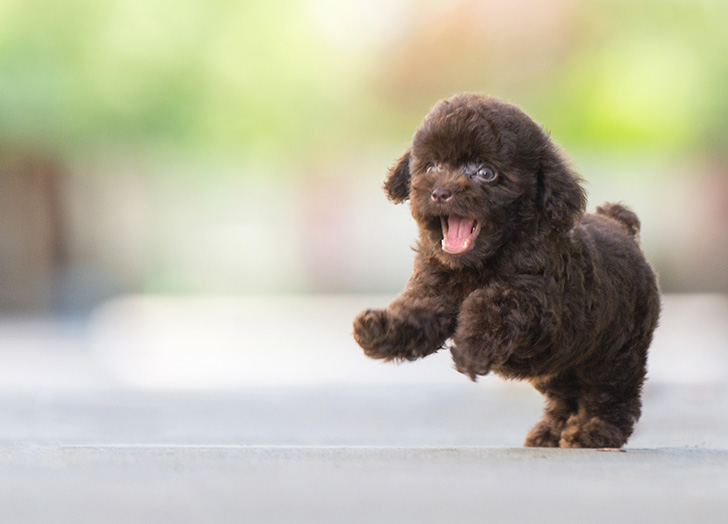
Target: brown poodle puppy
<point>511,270</point>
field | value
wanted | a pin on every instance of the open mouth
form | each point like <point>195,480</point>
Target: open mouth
<point>458,233</point>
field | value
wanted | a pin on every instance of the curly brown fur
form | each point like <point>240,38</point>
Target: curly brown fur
<point>511,270</point>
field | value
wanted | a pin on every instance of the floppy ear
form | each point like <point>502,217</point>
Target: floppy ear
<point>397,183</point>
<point>561,196</point>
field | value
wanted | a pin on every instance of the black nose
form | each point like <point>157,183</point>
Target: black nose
<point>441,195</point>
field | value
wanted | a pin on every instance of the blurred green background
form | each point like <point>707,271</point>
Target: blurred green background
<point>154,146</point>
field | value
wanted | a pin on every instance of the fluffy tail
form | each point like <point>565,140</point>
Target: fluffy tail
<point>621,214</point>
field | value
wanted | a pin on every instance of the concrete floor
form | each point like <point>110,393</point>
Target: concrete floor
<point>96,430</point>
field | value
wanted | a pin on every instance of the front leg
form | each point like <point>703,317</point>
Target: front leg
<point>495,323</point>
<point>406,330</point>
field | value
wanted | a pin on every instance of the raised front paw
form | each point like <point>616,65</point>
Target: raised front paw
<point>469,362</point>
<point>379,334</point>
<point>372,331</point>
<point>491,326</point>
<point>407,336</point>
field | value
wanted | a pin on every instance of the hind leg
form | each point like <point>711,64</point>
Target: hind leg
<point>561,404</point>
<point>605,419</point>
<point>609,401</point>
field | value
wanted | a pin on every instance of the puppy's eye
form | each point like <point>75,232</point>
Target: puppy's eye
<point>486,174</point>
<point>433,168</point>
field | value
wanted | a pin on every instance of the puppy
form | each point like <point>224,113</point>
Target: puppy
<point>511,271</point>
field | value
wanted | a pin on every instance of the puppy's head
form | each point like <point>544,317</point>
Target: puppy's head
<point>479,174</point>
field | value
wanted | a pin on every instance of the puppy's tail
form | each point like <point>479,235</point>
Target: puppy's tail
<point>621,214</point>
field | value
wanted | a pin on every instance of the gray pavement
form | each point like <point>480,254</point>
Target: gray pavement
<point>369,484</point>
<point>360,454</point>
<point>90,433</point>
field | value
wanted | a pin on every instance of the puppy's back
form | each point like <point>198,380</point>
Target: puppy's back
<point>618,274</point>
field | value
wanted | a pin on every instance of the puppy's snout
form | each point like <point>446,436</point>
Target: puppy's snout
<point>441,195</point>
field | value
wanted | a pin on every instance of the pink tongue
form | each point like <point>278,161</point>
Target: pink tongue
<point>456,238</point>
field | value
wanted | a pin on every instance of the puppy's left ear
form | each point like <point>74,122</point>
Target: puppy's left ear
<point>397,183</point>
<point>562,198</point>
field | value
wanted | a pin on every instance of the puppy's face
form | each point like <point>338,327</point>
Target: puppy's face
<point>472,176</point>
<point>479,174</point>
<point>464,209</point>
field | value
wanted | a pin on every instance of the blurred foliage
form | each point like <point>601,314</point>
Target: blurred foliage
<point>271,80</point>
<point>215,76</point>
<point>651,75</point>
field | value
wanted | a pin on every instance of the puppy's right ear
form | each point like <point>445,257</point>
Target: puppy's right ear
<point>397,184</point>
